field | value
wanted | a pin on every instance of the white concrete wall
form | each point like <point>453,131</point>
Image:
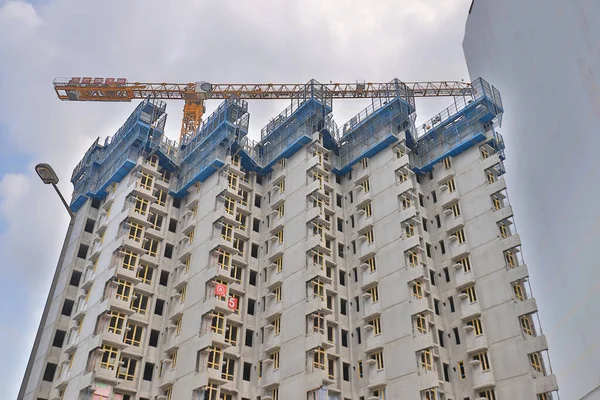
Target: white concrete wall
<point>399,341</point>
<point>541,56</point>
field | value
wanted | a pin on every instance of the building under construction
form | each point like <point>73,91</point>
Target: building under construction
<point>376,260</point>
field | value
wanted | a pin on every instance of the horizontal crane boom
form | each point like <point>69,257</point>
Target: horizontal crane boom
<point>194,94</point>
<point>110,90</point>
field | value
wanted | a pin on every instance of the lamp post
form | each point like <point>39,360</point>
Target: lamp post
<point>49,177</point>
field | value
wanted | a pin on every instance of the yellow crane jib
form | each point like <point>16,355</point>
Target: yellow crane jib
<point>194,94</point>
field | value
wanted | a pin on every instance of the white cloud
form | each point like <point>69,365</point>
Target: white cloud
<point>259,41</point>
<point>19,12</point>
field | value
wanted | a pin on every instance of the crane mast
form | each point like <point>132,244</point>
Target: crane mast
<point>196,93</point>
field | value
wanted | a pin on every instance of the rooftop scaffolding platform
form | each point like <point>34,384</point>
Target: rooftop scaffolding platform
<point>106,164</point>
<point>290,136</point>
<point>457,128</point>
<point>229,112</point>
<point>206,151</point>
<point>313,90</point>
<point>450,132</point>
<point>375,128</point>
<point>294,126</point>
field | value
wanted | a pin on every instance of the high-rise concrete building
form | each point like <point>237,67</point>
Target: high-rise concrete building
<point>542,56</point>
<point>374,261</point>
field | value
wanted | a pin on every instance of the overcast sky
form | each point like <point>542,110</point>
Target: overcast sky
<point>216,41</point>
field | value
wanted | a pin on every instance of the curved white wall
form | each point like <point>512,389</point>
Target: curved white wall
<point>544,57</point>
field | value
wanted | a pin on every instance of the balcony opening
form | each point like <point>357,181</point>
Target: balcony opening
<point>169,250</point>
<point>159,307</point>
<point>164,278</point>
<point>89,225</point>
<point>49,372</point>
<point>83,250</point>
<point>59,338</point>
<point>67,308</point>
<point>249,338</point>
<point>75,278</point>
<point>153,341</point>
<point>148,371</point>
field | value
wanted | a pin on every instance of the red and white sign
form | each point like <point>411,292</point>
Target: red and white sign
<point>232,303</point>
<point>220,290</point>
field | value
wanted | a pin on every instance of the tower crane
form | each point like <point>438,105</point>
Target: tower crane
<point>196,93</point>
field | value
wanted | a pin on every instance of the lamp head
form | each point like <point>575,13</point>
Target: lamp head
<point>46,174</point>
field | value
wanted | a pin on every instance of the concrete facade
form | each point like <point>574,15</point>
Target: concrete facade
<point>377,284</point>
<point>542,56</point>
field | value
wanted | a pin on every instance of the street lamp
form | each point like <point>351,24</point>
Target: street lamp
<point>49,177</point>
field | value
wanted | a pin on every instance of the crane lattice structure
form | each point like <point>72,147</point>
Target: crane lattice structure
<point>196,93</point>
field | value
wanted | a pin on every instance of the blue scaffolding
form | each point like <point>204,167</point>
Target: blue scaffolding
<point>375,128</point>
<point>106,164</point>
<point>456,128</point>
<point>387,120</point>
<point>85,174</point>
<point>285,134</point>
<point>207,149</point>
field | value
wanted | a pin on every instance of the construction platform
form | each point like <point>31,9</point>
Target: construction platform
<point>387,120</point>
